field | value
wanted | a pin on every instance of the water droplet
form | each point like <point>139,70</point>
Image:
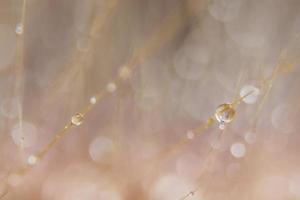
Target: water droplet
<point>111,87</point>
<point>190,135</point>
<point>77,119</point>
<point>93,100</point>
<point>238,150</point>
<point>249,94</point>
<point>19,29</point>
<point>32,160</point>
<point>225,113</point>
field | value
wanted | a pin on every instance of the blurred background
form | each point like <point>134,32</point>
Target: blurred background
<point>184,58</point>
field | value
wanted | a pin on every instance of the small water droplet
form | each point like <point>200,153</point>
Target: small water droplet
<point>77,119</point>
<point>111,87</point>
<point>19,29</point>
<point>190,135</point>
<point>225,113</point>
<point>93,100</point>
<point>249,94</point>
<point>32,160</point>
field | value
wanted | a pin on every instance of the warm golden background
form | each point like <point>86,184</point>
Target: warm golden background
<point>189,57</point>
